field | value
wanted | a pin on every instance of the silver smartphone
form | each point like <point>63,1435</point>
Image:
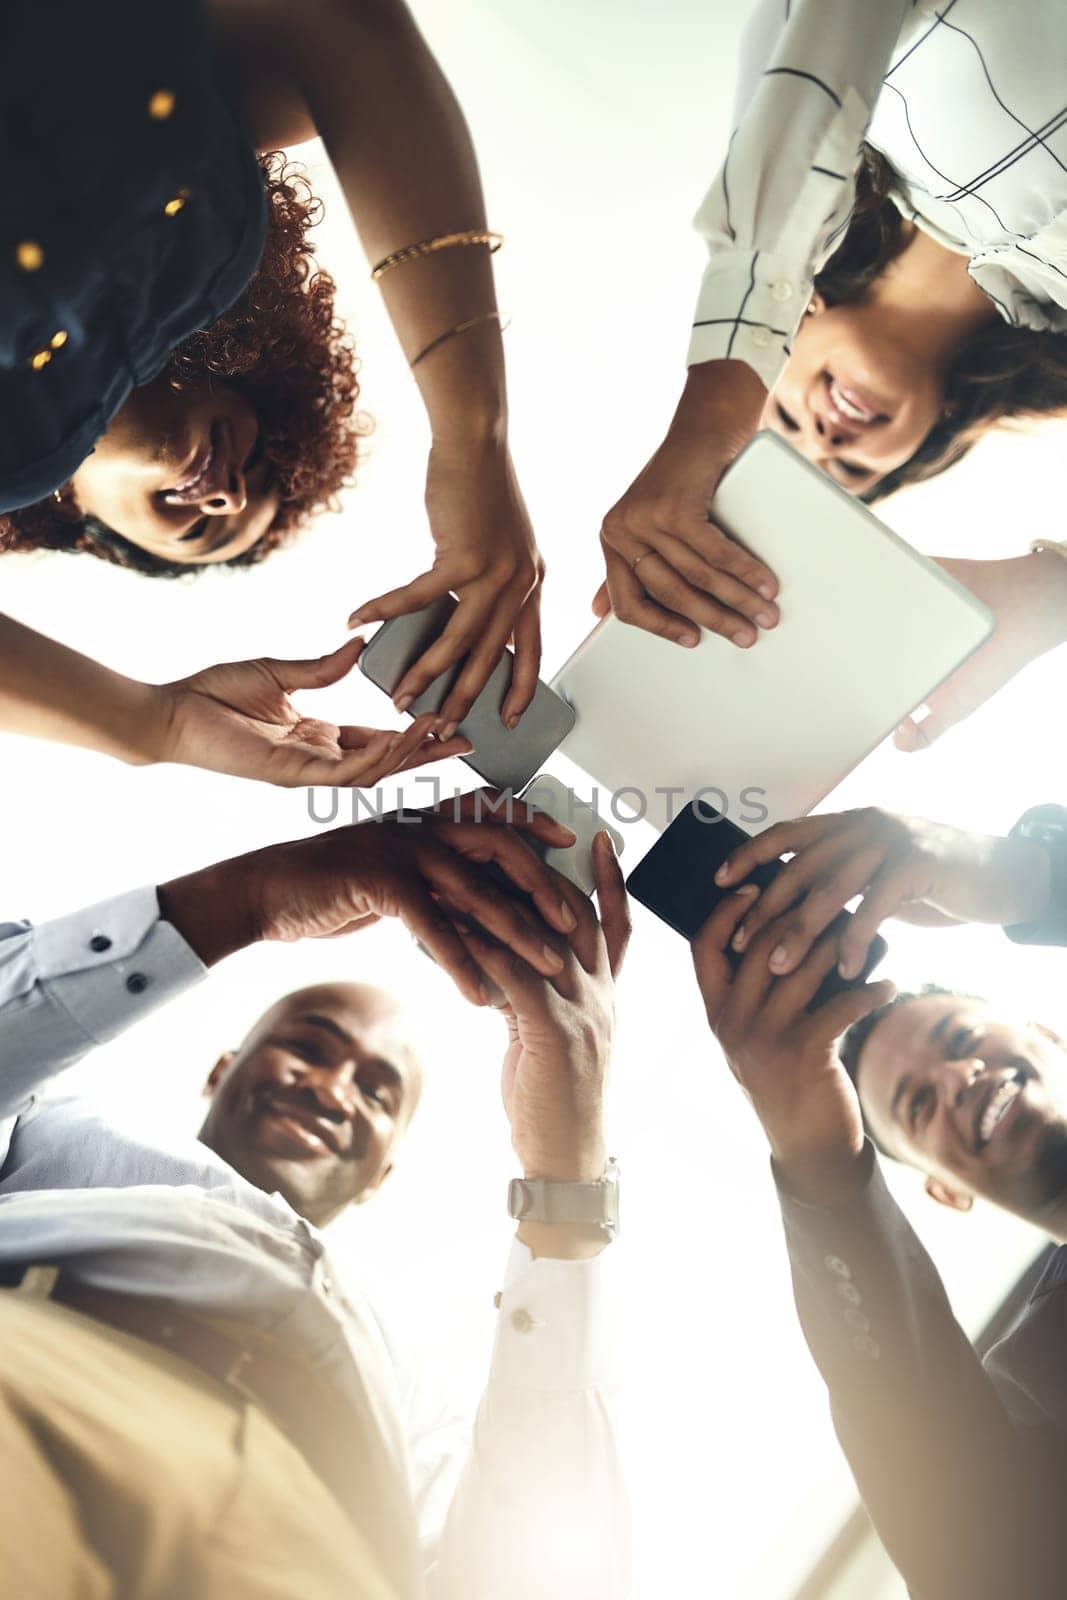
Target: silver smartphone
<point>505,758</point>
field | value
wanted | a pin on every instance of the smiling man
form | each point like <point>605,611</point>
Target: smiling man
<point>975,1100</point>
<point>313,1103</point>
<point>962,1463</point>
<point>192,1399</point>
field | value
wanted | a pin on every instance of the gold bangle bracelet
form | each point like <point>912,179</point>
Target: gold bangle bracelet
<point>427,247</point>
<point>450,333</point>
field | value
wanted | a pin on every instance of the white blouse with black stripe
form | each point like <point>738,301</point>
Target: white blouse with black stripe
<point>969,107</point>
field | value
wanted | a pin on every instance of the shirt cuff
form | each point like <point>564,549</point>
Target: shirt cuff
<point>1046,825</point>
<point>113,963</point>
<point>748,310</point>
<point>559,1323</point>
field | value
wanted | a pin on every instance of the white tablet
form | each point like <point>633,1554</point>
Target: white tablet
<point>868,628</point>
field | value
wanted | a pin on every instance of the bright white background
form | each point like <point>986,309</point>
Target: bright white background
<point>598,126</point>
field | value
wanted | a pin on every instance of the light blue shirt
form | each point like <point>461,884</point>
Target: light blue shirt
<point>171,1219</point>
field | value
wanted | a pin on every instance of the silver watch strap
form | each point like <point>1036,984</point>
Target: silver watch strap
<point>583,1204</point>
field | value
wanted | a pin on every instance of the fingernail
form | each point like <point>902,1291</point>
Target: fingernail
<point>512,722</point>
<point>765,619</point>
<point>553,957</point>
<point>742,639</point>
<point>723,874</point>
<point>403,702</point>
<point>739,939</point>
<point>688,639</point>
<point>467,750</point>
<point>847,969</point>
<point>779,957</point>
<point>605,841</point>
<point>446,730</point>
<point>570,921</point>
<point>766,591</point>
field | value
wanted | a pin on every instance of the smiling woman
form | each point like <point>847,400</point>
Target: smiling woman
<point>902,363</point>
<point>236,445</point>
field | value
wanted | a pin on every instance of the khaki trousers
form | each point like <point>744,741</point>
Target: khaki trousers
<point>125,1474</point>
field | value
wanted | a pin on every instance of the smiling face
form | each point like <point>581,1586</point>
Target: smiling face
<point>314,1101</point>
<point>978,1103</point>
<point>182,474</point>
<point>853,397</point>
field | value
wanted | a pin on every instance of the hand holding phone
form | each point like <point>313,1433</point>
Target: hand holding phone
<point>507,758</point>
<point>676,881</point>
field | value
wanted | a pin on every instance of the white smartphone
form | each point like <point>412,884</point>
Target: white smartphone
<point>504,757</point>
<point>564,805</point>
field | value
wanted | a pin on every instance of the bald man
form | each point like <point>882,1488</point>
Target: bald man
<point>192,1400</point>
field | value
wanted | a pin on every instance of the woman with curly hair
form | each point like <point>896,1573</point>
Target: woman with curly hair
<point>887,281</point>
<point>175,387</point>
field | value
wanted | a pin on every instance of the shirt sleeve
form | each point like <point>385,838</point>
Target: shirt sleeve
<point>541,1506</point>
<point>811,71</point>
<point>962,1486</point>
<point>71,984</point>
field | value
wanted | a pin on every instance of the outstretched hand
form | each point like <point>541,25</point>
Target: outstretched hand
<point>1028,597</point>
<point>238,718</point>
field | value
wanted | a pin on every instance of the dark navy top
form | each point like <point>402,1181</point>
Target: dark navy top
<point>132,212</point>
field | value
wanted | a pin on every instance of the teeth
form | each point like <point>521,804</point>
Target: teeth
<point>997,1108</point>
<point>848,408</point>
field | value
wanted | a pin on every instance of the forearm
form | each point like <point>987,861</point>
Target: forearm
<point>403,153</point>
<point>952,1482</point>
<point>48,691</point>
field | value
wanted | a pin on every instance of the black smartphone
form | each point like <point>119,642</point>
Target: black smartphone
<point>676,881</point>
<point>504,757</point>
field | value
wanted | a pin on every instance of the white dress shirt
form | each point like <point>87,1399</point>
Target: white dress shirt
<point>532,1506</point>
<point>967,99</point>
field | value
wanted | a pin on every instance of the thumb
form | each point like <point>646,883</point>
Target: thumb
<point>320,670</point>
<point>601,603</point>
<point>927,723</point>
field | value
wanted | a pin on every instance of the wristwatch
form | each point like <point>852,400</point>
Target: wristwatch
<point>594,1205</point>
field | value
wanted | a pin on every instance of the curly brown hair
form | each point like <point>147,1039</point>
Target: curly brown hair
<point>283,348</point>
<point>1002,372</point>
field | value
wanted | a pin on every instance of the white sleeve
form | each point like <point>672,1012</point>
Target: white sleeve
<point>541,1511</point>
<point>810,75</point>
<point>70,984</point>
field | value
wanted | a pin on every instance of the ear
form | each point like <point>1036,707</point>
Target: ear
<point>1050,1034</point>
<point>371,1189</point>
<point>945,1195</point>
<point>218,1072</point>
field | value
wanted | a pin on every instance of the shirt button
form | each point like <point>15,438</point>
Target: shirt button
<point>761,337</point>
<point>855,1319</point>
<point>136,983</point>
<point>41,359</point>
<point>867,1346</point>
<point>176,204</point>
<point>29,255</point>
<point>161,105</point>
<point>521,1320</point>
<point>849,1292</point>
<point>781,292</point>
<point>99,943</point>
<point>839,1268</point>
<point>58,339</point>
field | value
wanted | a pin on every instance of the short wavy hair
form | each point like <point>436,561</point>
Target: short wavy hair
<point>282,347</point>
<point>1002,372</point>
<point>852,1041</point>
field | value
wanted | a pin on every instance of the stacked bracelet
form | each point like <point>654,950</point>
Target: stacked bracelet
<point>427,247</point>
<point>450,333</point>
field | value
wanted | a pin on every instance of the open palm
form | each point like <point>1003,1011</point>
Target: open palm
<point>238,718</point>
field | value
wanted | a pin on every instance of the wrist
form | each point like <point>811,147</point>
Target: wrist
<point>131,730</point>
<point>829,1177</point>
<point>562,1241</point>
<point>213,909</point>
<point>724,398</point>
<point>580,1162</point>
<point>1047,611</point>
